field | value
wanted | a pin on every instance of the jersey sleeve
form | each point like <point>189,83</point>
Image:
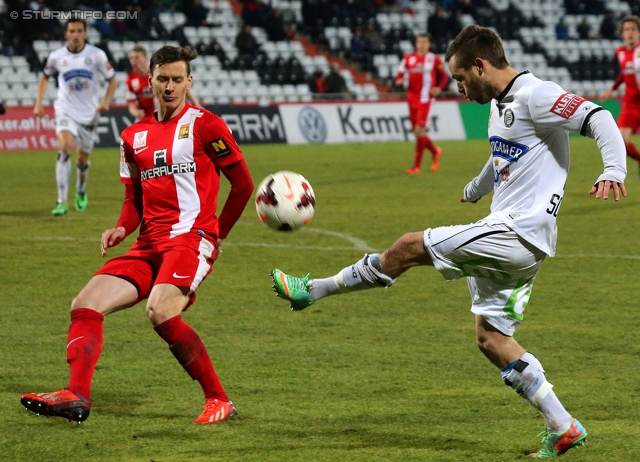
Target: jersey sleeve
<point>131,96</point>
<point>402,68</point>
<point>552,107</point>
<point>104,66</point>
<point>219,143</point>
<point>129,170</point>
<point>50,66</point>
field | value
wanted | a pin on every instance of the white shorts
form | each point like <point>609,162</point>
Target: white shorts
<point>84,134</point>
<point>499,266</point>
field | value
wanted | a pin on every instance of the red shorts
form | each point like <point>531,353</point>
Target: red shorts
<point>629,117</point>
<point>183,261</point>
<point>418,112</point>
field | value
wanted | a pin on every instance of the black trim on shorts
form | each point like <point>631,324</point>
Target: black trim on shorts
<point>489,233</point>
<point>583,130</point>
<point>459,232</point>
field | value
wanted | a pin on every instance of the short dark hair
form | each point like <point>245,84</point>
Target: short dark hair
<point>139,49</point>
<point>427,35</point>
<point>169,54</point>
<point>477,42</point>
<point>631,18</point>
<point>72,20</point>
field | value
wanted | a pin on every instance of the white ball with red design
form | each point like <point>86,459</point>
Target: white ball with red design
<point>285,201</point>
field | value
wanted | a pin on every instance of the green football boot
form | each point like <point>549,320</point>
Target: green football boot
<point>556,444</point>
<point>81,201</point>
<point>61,209</point>
<point>296,290</point>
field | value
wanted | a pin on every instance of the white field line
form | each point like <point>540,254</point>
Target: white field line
<point>358,244</point>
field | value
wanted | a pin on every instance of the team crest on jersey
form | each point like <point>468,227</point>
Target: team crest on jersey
<point>220,148</point>
<point>87,61</point>
<point>140,139</point>
<point>566,105</point>
<point>135,83</point>
<point>508,118</point>
<point>184,131</point>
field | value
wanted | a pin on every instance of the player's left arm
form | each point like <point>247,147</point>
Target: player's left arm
<point>111,89</point>
<point>442,78</point>
<point>552,107</point>
<point>226,155</point>
<point>107,71</point>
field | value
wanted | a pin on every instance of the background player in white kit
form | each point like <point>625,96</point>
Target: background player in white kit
<point>78,65</point>
<point>500,255</point>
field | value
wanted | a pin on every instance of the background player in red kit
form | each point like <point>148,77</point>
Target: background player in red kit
<point>629,59</point>
<point>424,77</point>
<point>139,94</point>
<point>170,166</point>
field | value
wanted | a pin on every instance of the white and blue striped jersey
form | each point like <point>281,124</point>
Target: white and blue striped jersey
<point>528,133</point>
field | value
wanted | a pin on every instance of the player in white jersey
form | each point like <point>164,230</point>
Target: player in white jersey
<point>500,255</point>
<point>79,66</point>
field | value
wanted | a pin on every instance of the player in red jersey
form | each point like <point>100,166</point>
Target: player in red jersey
<point>424,77</point>
<point>629,59</point>
<point>139,93</point>
<point>170,165</point>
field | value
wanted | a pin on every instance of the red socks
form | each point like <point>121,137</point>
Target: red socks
<point>84,345</point>
<point>429,144</point>
<point>422,143</point>
<point>187,347</point>
<point>632,151</point>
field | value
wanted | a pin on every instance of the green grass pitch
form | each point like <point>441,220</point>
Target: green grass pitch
<point>382,375</point>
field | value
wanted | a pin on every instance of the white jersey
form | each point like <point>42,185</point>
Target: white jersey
<point>529,160</point>
<point>78,80</point>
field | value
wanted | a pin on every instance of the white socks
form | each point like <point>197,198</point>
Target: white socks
<point>366,273</point>
<point>63,175</point>
<point>526,377</point>
<point>82,172</point>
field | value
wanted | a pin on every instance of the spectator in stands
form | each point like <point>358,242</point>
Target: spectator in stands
<point>584,29</point>
<point>336,85</point>
<point>466,7</point>
<point>562,30</point>
<point>373,38</point>
<point>318,83</point>
<point>608,27</point>
<point>438,26</point>
<point>255,12</point>
<point>629,117</point>
<point>455,24</point>
<point>574,7</point>
<point>274,26</point>
<point>195,12</point>
<point>246,43</point>
<point>359,49</point>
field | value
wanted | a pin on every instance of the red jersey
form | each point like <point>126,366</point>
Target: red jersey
<point>629,61</point>
<point>421,73</point>
<point>138,90</point>
<point>178,165</point>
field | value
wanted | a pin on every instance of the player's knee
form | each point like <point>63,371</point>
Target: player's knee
<point>486,343</point>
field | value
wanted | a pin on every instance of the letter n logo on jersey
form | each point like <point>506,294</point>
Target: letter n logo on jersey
<point>220,147</point>
<point>566,105</point>
<point>160,158</point>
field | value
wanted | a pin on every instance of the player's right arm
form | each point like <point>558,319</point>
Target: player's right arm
<point>43,83</point>
<point>402,69</point>
<point>480,185</point>
<point>609,93</point>
<point>131,213</point>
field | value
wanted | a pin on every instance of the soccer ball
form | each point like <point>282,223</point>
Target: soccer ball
<point>285,201</point>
